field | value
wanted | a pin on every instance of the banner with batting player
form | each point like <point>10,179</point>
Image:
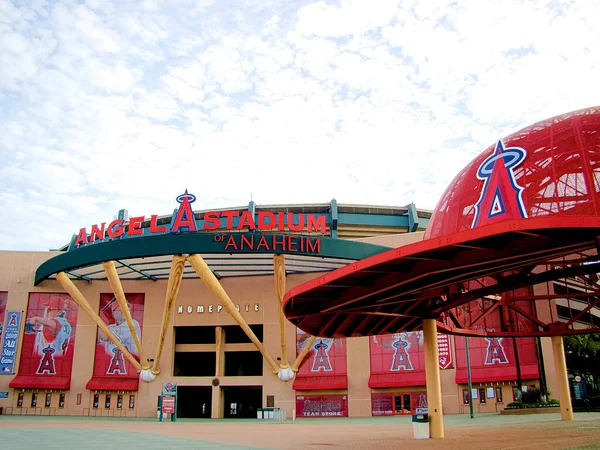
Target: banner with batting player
<point>324,367</point>
<point>109,362</point>
<point>48,342</point>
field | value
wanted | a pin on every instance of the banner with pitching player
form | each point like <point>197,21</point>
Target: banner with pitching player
<point>324,366</point>
<point>48,342</point>
<point>112,370</point>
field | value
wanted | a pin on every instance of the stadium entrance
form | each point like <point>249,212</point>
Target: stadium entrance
<point>241,402</point>
<point>194,401</point>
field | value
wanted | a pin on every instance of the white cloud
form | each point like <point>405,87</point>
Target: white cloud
<point>110,105</point>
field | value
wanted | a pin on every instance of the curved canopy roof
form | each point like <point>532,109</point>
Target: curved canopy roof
<point>524,212</point>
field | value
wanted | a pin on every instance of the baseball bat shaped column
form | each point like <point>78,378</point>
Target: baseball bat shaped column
<point>82,302</point>
<point>209,279</point>
<point>173,285</point>
<point>285,373</point>
<point>117,287</point>
<point>562,378</point>
<point>303,353</point>
<point>432,378</point>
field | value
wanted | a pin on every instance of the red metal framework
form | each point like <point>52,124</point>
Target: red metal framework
<point>530,276</point>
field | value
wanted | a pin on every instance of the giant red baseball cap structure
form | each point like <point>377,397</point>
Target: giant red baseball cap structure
<point>513,242</point>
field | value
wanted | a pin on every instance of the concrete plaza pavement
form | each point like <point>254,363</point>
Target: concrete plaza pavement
<point>485,431</point>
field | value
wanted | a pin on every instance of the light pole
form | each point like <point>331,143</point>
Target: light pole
<point>469,377</point>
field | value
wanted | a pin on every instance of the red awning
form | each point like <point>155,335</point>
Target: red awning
<point>496,373</point>
<point>320,383</point>
<point>383,380</point>
<point>393,291</point>
<point>112,384</point>
<point>40,382</point>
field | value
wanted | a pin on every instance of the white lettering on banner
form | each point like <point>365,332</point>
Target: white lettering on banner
<point>211,308</point>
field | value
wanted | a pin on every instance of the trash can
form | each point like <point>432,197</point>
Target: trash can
<point>420,426</point>
<point>259,413</point>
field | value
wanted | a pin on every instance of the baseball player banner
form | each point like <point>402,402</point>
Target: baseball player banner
<point>109,360</point>
<point>48,342</point>
<point>397,360</point>
<point>493,359</point>
<point>3,299</point>
<point>325,360</point>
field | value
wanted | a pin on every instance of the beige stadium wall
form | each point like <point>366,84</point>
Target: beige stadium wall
<point>17,270</point>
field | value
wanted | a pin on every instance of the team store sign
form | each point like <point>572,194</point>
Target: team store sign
<point>184,221</point>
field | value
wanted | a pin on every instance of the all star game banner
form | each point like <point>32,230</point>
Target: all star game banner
<point>48,342</point>
<point>109,361</point>
<point>327,356</point>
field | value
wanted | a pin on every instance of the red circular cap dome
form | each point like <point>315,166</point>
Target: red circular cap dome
<point>551,168</point>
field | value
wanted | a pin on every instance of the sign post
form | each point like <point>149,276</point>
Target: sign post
<point>167,403</point>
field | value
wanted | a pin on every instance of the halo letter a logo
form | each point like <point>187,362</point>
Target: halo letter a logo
<point>117,363</point>
<point>321,359</point>
<point>495,352</point>
<point>501,197</point>
<point>401,358</point>
<point>47,362</point>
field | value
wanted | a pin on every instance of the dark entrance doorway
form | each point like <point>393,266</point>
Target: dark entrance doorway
<point>194,401</point>
<point>241,402</point>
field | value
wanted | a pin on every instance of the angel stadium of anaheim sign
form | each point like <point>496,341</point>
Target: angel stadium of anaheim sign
<point>221,233</point>
<point>184,221</point>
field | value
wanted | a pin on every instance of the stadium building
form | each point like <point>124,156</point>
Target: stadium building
<point>203,291</point>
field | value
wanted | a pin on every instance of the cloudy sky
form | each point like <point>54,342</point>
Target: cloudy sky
<point>125,104</point>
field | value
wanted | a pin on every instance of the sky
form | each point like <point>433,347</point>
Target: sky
<point>125,104</point>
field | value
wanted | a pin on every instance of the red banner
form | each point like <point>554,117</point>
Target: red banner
<point>48,343</point>
<point>3,299</point>
<point>493,359</point>
<point>324,367</point>
<point>322,406</point>
<point>397,360</point>
<point>110,364</point>
<point>168,405</point>
<point>444,351</point>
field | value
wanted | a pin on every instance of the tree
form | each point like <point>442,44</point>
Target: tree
<point>582,353</point>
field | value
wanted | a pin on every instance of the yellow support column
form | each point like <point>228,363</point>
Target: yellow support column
<point>432,377</point>
<point>560,366</point>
